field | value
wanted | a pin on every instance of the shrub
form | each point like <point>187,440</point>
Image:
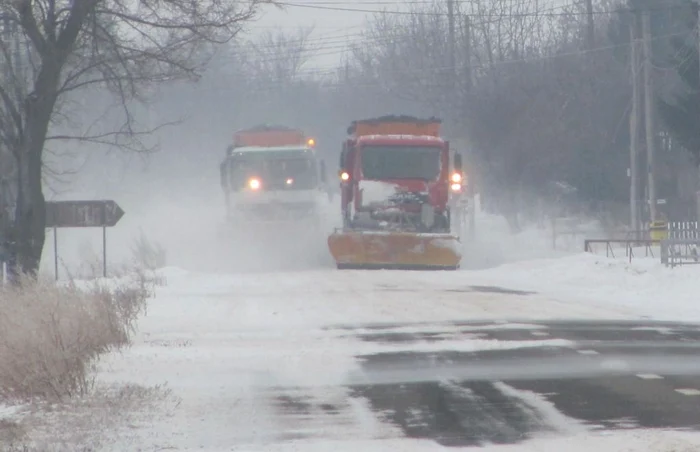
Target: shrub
<point>52,335</point>
<point>147,254</point>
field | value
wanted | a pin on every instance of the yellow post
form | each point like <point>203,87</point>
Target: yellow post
<point>658,230</point>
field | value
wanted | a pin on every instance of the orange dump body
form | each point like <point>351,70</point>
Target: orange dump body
<point>269,138</point>
<point>429,128</point>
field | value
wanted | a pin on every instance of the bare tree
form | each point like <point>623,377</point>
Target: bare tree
<point>67,46</point>
<point>278,57</point>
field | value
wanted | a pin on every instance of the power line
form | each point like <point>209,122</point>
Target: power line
<point>344,38</point>
<point>481,15</point>
<point>432,69</point>
<point>494,64</point>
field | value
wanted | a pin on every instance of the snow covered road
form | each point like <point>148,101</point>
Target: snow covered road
<point>390,360</point>
<point>223,341</point>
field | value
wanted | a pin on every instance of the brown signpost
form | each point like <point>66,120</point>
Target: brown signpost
<point>83,214</point>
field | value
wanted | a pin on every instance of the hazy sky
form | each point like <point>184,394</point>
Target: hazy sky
<point>334,29</point>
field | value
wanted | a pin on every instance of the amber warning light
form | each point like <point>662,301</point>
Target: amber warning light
<point>344,176</point>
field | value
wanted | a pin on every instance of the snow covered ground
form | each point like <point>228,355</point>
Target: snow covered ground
<point>642,287</point>
<point>229,345</point>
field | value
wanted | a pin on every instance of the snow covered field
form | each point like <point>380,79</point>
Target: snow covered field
<point>228,345</point>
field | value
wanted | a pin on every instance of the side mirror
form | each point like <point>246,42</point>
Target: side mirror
<point>458,162</point>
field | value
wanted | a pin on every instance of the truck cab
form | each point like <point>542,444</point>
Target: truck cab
<point>272,174</point>
<point>396,173</point>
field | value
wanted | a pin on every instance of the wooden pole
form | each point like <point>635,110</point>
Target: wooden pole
<point>634,128</point>
<point>649,115</point>
<point>590,35</point>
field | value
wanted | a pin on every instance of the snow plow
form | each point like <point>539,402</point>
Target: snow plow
<point>396,178</point>
<point>272,174</point>
<point>275,192</point>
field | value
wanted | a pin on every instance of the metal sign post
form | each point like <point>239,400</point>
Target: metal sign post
<point>104,251</point>
<point>55,252</point>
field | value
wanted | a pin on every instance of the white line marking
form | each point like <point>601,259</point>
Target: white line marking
<point>689,392</point>
<point>588,352</point>
<point>650,376</point>
<point>539,333</point>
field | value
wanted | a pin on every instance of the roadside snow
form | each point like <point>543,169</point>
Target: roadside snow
<point>644,286</point>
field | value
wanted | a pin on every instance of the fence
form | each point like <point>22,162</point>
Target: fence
<point>628,245</point>
<point>680,246</point>
<point>678,243</point>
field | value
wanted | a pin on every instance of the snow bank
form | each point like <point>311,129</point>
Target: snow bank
<point>643,286</point>
<point>496,244</point>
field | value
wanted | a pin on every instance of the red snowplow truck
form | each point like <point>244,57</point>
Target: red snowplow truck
<point>396,180</point>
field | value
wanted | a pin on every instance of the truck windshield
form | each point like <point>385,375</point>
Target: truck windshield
<point>400,162</point>
<point>278,173</point>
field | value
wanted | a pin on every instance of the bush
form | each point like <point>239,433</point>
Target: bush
<point>52,335</point>
<point>147,254</point>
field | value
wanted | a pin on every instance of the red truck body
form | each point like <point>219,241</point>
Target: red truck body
<point>395,181</point>
<point>398,135</point>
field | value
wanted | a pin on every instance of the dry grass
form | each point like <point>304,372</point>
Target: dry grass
<point>51,338</point>
<point>109,416</point>
<point>148,254</point>
<point>52,335</point>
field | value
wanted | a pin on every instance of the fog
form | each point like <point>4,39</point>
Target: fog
<point>544,131</point>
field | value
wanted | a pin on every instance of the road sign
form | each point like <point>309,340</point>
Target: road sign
<point>83,214</point>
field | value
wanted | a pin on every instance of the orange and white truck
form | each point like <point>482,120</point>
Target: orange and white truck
<point>273,175</point>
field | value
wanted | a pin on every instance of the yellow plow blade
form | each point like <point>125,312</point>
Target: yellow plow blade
<point>395,250</point>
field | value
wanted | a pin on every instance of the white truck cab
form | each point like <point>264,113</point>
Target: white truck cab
<point>273,183</point>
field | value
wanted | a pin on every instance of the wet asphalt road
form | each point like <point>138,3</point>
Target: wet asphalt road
<point>480,408</point>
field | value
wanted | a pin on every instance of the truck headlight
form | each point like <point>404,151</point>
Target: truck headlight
<point>254,184</point>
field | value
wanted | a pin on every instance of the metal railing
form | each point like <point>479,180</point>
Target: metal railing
<point>628,245</point>
<point>678,241</point>
<point>681,245</point>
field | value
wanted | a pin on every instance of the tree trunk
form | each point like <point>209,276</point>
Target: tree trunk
<point>29,231</point>
<point>30,218</point>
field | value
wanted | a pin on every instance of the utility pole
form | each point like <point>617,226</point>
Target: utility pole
<point>468,51</point>
<point>471,188</point>
<point>634,126</point>
<point>649,115</point>
<point>590,36</point>
<point>451,40</point>
<point>697,192</point>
